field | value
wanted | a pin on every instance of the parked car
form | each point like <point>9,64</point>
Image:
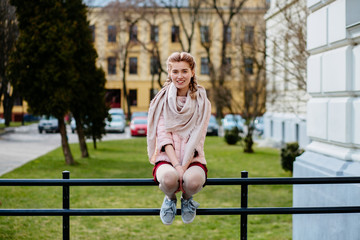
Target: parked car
<point>259,125</point>
<point>48,124</point>
<point>2,120</point>
<point>230,121</point>
<point>117,111</point>
<point>138,126</point>
<point>116,124</point>
<point>213,127</point>
<point>31,118</point>
<point>138,114</point>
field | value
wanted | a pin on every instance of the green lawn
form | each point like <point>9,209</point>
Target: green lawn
<point>128,159</point>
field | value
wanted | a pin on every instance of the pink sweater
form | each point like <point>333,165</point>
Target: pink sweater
<point>164,138</point>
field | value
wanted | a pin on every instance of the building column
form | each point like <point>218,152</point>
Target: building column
<point>333,120</point>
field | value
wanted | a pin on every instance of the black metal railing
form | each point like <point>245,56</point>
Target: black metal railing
<point>243,211</point>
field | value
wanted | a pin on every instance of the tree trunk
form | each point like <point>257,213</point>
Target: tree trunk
<point>81,137</point>
<point>64,143</point>
<point>94,142</point>
<point>248,148</point>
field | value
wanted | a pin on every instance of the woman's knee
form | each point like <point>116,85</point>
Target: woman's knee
<point>193,185</point>
<point>194,179</point>
<point>169,180</point>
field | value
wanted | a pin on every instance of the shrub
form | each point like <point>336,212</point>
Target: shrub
<point>288,155</point>
<point>232,136</point>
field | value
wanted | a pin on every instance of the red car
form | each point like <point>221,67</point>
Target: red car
<point>138,126</point>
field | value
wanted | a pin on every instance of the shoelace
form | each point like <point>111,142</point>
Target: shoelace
<point>190,205</point>
<point>171,208</point>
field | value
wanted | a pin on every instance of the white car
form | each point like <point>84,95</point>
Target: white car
<point>117,124</point>
<point>48,124</point>
<point>117,111</point>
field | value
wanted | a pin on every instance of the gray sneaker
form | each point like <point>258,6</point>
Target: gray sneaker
<point>168,211</point>
<point>188,209</point>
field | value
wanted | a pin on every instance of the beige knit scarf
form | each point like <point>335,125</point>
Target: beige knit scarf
<point>187,121</point>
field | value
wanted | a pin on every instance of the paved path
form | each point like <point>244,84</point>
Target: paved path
<point>24,144</point>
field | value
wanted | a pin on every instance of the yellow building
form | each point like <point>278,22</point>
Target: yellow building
<point>122,32</point>
<point>151,28</point>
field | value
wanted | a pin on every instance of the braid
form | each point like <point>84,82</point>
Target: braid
<point>193,87</point>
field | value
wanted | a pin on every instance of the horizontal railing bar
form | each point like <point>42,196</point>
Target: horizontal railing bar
<point>155,211</point>
<point>283,181</point>
<point>150,182</point>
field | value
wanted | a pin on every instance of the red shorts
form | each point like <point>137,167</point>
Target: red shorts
<point>158,164</point>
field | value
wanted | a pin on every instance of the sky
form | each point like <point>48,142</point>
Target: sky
<point>97,3</point>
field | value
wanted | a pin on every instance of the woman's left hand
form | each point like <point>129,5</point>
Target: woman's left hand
<point>180,170</point>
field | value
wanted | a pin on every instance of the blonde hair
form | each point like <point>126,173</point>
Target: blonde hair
<point>183,57</point>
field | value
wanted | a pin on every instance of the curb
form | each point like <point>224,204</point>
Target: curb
<point>7,130</point>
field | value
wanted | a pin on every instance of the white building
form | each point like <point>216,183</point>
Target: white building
<point>285,117</point>
<point>333,120</point>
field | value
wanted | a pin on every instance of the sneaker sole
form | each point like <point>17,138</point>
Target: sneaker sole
<point>190,221</point>
<point>165,223</point>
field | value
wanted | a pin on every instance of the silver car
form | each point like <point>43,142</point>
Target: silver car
<point>117,124</point>
<point>48,124</point>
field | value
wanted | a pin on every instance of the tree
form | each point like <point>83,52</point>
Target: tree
<point>42,66</point>
<point>184,14</point>
<point>8,35</point>
<point>94,120</point>
<point>250,49</point>
<point>152,18</point>
<point>87,97</point>
<point>226,12</point>
<point>124,17</point>
<point>287,59</point>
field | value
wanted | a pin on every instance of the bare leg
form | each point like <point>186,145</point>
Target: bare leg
<point>194,179</point>
<point>168,179</point>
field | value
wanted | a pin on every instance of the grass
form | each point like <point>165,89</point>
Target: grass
<point>128,159</point>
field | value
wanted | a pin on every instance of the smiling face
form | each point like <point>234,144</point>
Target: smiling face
<point>181,74</point>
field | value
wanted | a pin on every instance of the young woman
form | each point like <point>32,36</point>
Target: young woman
<point>177,124</point>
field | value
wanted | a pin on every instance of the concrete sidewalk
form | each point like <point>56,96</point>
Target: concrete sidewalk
<point>23,144</point>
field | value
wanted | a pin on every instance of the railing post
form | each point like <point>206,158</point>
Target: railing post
<point>66,205</point>
<point>244,204</point>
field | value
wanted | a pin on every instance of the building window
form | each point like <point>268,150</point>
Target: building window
<point>297,135</point>
<point>154,33</point>
<point>175,34</point>
<point>228,35</point>
<point>204,33</point>
<point>112,98</point>
<point>154,65</point>
<point>228,65</point>
<point>111,33</point>
<point>133,33</point>
<point>249,66</point>
<point>92,29</point>
<point>111,65</point>
<point>133,97</point>
<point>133,65</point>
<point>249,34</point>
<point>205,66</point>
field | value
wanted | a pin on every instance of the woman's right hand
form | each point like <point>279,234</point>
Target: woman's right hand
<point>180,171</point>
